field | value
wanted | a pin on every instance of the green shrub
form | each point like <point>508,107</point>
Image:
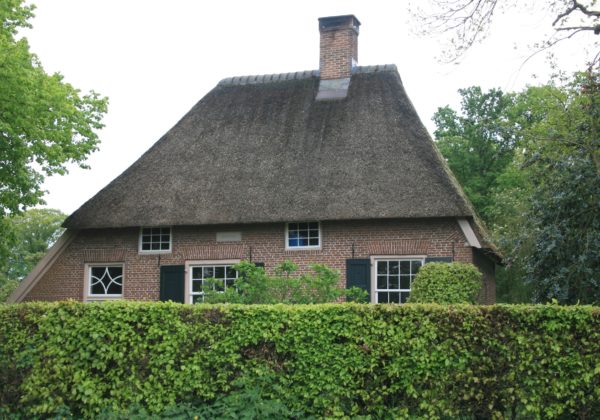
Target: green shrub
<point>445,283</point>
<point>254,286</point>
<point>174,360</point>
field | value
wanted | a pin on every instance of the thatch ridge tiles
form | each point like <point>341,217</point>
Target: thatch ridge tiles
<point>253,151</point>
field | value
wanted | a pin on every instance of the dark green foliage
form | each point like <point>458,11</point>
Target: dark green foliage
<point>530,162</point>
<point>446,283</point>
<point>562,258</point>
<point>294,361</point>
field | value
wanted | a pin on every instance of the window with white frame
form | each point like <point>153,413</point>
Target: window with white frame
<point>222,277</point>
<point>303,235</point>
<point>155,239</point>
<point>104,281</point>
<point>393,278</point>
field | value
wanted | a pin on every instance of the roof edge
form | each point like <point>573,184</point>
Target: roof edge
<point>298,75</point>
<point>42,267</point>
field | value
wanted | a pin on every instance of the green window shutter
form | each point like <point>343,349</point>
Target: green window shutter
<point>438,259</point>
<point>172,283</point>
<point>358,274</point>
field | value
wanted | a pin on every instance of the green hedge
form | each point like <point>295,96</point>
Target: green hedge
<point>323,360</point>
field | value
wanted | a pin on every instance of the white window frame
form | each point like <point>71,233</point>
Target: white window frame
<point>87,288</point>
<point>376,258</point>
<point>155,251</point>
<point>201,263</point>
<point>295,248</point>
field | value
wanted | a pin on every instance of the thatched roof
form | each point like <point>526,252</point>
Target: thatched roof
<point>261,149</point>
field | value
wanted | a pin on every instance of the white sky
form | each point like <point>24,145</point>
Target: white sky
<point>156,59</point>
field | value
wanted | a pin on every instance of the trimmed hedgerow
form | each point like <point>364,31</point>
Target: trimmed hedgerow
<point>445,283</point>
<point>324,360</point>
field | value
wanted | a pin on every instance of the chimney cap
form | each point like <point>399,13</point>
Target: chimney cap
<point>331,23</point>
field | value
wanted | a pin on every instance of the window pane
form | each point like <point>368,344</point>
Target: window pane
<point>405,282</point>
<point>207,272</point>
<point>313,225</point>
<point>393,281</point>
<point>155,245</point>
<point>231,273</point>
<point>382,282</point>
<point>303,226</point>
<point>404,296</point>
<point>164,238</point>
<point>314,233</point>
<point>114,289</point>
<point>313,241</point>
<point>115,272</point>
<point>393,267</point>
<point>229,283</point>
<point>293,226</point>
<point>382,297</point>
<point>404,267</point>
<point>145,247</point>
<point>219,272</point>
<point>196,285</point>
<point>146,231</point>
<point>381,267</point>
<point>303,242</point>
<point>97,289</point>
<point>395,297</point>
<point>219,285</point>
<point>196,272</point>
<point>415,266</point>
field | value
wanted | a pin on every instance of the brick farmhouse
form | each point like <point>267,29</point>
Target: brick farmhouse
<point>327,166</point>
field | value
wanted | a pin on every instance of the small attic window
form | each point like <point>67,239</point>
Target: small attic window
<point>305,235</point>
<point>155,239</point>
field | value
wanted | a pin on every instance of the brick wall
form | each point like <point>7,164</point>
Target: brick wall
<point>260,243</point>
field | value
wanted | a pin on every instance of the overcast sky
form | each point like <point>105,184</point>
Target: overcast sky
<point>156,59</point>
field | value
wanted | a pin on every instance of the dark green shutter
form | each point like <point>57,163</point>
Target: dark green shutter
<point>358,274</point>
<point>172,283</point>
<point>438,259</point>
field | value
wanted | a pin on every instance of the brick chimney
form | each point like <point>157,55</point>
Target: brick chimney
<point>338,55</point>
<point>339,46</point>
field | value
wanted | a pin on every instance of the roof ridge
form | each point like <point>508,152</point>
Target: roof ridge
<point>304,74</point>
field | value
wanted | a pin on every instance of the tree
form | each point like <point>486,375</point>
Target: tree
<point>467,22</point>
<point>33,231</point>
<point>45,123</point>
<point>563,156</point>
<point>542,201</point>
<point>478,142</point>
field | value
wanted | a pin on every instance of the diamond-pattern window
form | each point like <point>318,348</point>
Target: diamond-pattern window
<point>106,281</point>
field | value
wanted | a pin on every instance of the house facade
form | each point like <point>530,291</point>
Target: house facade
<point>328,166</point>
